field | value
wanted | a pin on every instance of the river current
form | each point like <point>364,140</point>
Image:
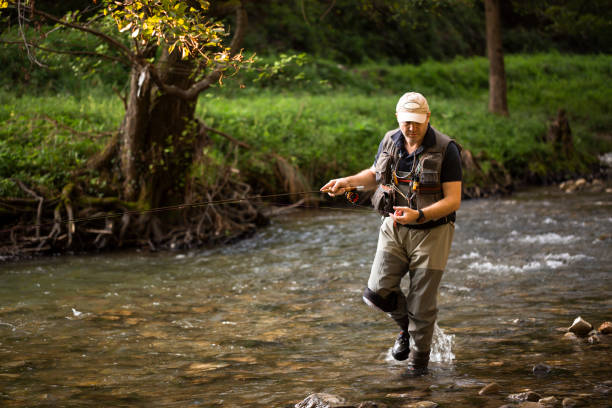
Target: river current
<point>271,319</point>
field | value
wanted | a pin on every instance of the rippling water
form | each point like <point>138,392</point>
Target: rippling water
<point>272,319</point>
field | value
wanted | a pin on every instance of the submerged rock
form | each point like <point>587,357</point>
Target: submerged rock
<point>421,404</point>
<point>569,403</point>
<point>530,404</point>
<point>541,369</point>
<point>491,388</point>
<point>594,339</point>
<point>580,327</point>
<point>605,328</point>
<point>323,400</point>
<point>549,401</point>
<point>570,336</point>
<point>371,404</point>
<point>524,396</point>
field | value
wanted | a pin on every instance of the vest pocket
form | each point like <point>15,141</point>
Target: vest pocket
<point>383,200</point>
<point>429,178</point>
<point>383,168</point>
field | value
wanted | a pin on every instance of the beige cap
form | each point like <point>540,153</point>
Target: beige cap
<point>412,107</point>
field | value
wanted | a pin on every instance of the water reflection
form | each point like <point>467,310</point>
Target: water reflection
<point>274,318</point>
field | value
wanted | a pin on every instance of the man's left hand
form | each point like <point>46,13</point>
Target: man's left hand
<point>404,215</point>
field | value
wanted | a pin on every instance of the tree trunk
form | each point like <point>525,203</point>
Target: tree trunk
<point>158,136</point>
<point>498,103</point>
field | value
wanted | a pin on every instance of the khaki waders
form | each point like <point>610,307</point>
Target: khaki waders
<point>421,253</point>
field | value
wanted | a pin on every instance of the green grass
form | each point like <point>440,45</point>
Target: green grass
<point>332,133</point>
<point>328,119</point>
<point>42,153</point>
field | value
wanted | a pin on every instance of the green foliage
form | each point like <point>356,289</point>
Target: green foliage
<point>334,129</point>
<point>180,25</point>
<point>44,139</point>
<point>337,131</point>
<point>62,72</point>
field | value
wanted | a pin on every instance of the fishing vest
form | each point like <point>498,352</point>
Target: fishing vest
<point>417,188</point>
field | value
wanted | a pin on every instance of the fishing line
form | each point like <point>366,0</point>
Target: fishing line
<point>183,207</point>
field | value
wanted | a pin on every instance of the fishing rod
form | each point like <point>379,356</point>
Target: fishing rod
<point>348,190</point>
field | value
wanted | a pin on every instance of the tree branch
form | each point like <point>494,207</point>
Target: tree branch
<point>85,53</point>
<point>197,88</point>
<point>108,39</point>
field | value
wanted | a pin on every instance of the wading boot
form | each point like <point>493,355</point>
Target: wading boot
<point>401,348</point>
<point>417,364</point>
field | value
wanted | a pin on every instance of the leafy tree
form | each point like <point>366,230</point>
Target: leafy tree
<point>175,50</point>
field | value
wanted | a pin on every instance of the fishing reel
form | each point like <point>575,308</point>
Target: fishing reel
<point>352,197</point>
<point>352,194</point>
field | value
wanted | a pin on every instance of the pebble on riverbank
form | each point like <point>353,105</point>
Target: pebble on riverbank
<point>572,186</point>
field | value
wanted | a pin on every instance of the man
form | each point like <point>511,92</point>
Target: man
<point>417,177</point>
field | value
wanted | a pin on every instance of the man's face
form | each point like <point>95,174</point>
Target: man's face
<point>414,132</point>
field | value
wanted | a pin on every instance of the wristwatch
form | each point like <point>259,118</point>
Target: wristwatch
<point>421,216</point>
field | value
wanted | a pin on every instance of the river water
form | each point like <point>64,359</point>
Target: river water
<point>271,319</point>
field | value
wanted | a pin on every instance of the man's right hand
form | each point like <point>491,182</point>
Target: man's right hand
<point>335,187</point>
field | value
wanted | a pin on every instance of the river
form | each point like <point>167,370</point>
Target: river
<point>271,319</point>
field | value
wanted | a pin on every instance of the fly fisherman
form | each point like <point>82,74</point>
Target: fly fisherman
<point>417,178</point>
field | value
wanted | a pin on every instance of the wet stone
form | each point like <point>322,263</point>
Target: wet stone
<point>530,404</point>
<point>569,403</point>
<point>371,404</point>
<point>13,364</point>
<point>525,396</point>
<point>491,388</point>
<point>569,336</point>
<point>549,401</point>
<point>580,327</point>
<point>605,328</point>
<point>322,400</point>
<point>603,389</point>
<point>421,404</point>
<point>541,369</point>
<point>594,339</point>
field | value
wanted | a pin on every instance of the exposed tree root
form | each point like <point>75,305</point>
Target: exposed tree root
<point>75,222</point>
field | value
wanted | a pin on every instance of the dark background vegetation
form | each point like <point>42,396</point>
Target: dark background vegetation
<point>361,31</point>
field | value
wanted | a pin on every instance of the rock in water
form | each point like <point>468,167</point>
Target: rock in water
<point>540,370</point>
<point>422,404</point>
<point>322,400</point>
<point>605,328</point>
<point>524,396</point>
<point>580,327</point>
<point>530,404</point>
<point>549,401</point>
<point>569,336</point>
<point>491,388</point>
<point>371,404</point>
<point>569,403</point>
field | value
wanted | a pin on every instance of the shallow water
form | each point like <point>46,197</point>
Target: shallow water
<point>272,319</point>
